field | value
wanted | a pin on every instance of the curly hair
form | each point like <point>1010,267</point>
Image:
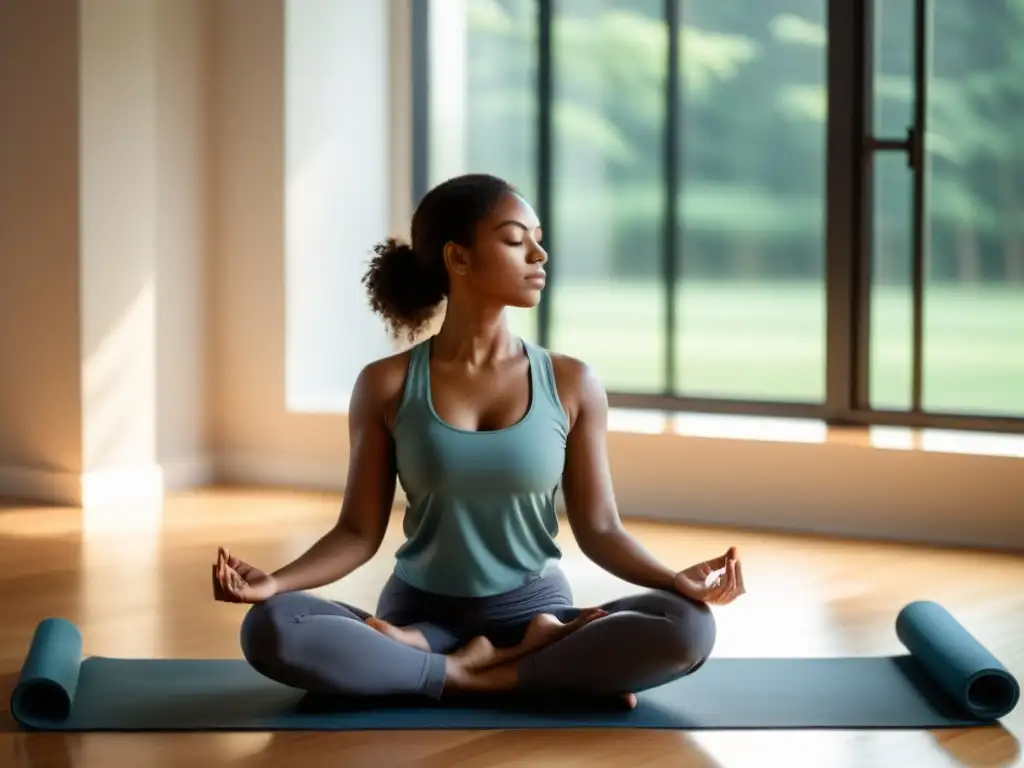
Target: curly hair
<point>406,282</point>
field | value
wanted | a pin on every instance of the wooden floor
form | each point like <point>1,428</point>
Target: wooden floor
<point>138,584</point>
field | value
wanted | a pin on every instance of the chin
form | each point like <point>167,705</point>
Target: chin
<point>524,300</point>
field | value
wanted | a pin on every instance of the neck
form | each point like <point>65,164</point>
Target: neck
<point>473,335</point>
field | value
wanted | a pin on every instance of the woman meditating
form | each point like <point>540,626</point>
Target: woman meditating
<point>481,428</point>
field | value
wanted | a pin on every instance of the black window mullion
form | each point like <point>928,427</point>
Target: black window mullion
<point>847,240</point>
<point>545,99</point>
<point>672,182</point>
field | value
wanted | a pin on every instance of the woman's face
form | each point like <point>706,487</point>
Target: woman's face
<point>506,263</point>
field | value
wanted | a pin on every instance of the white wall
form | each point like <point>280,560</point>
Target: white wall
<point>337,192</point>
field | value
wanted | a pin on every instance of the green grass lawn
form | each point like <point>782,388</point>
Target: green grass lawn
<point>767,342</point>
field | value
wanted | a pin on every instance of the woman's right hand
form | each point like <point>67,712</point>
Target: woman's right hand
<point>235,581</point>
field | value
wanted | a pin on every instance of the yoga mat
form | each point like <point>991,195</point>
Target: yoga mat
<point>946,679</point>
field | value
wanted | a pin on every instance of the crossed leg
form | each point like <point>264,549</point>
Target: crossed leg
<point>622,647</point>
<point>323,646</point>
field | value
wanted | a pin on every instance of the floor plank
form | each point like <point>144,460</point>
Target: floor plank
<point>137,582</point>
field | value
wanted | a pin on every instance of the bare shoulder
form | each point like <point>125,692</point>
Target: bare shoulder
<point>579,386</point>
<point>378,388</point>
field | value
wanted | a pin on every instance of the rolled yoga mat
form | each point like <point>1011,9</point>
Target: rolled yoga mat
<point>947,679</point>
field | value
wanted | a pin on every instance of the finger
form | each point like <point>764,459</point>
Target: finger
<point>219,581</point>
<point>218,593</point>
<point>730,554</point>
<point>241,585</point>
<point>724,577</point>
<point>733,581</point>
<point>225,576</point>
<point>741,588</point>
<point>725,596</point>
<point>234,589</point>
<point>727,584</point>
<point>717,591</point>
<point>225,588</point>
<point>736,587</point>
<point>226,566</point>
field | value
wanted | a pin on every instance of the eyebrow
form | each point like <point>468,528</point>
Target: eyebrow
<point>514,223</point>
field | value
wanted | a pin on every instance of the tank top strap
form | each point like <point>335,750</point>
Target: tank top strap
<point>542,374</point>
<point>417,376</point>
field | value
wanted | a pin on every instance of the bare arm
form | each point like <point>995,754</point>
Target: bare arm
<point>587,485</point>
<point>369,493</point>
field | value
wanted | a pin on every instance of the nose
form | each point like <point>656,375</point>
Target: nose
<point>538,255</point>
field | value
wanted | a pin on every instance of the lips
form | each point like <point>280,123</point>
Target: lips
<point>536,277</point>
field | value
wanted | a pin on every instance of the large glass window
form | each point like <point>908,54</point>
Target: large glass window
<point>707,282</point>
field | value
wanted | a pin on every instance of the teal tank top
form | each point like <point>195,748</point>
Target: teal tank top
<point>481,516</point>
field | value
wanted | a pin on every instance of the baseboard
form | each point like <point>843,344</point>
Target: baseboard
<point>106,487</point>
<point>40,486</point>
<point>123,485</point>
<point>264,470</point>
<point>190,472</point>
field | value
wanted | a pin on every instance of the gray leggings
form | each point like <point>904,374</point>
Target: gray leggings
<point>322,646</point>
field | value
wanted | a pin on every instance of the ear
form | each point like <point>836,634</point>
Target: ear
<point>456,258</point>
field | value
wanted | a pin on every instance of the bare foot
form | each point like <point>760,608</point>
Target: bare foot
<point>476,668</point>
<point>545,629</point>
<point>479,667</point>
<point>477,654</point>
<point>410,637</point>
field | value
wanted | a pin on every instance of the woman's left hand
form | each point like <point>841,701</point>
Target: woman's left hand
<point>716,582</point>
